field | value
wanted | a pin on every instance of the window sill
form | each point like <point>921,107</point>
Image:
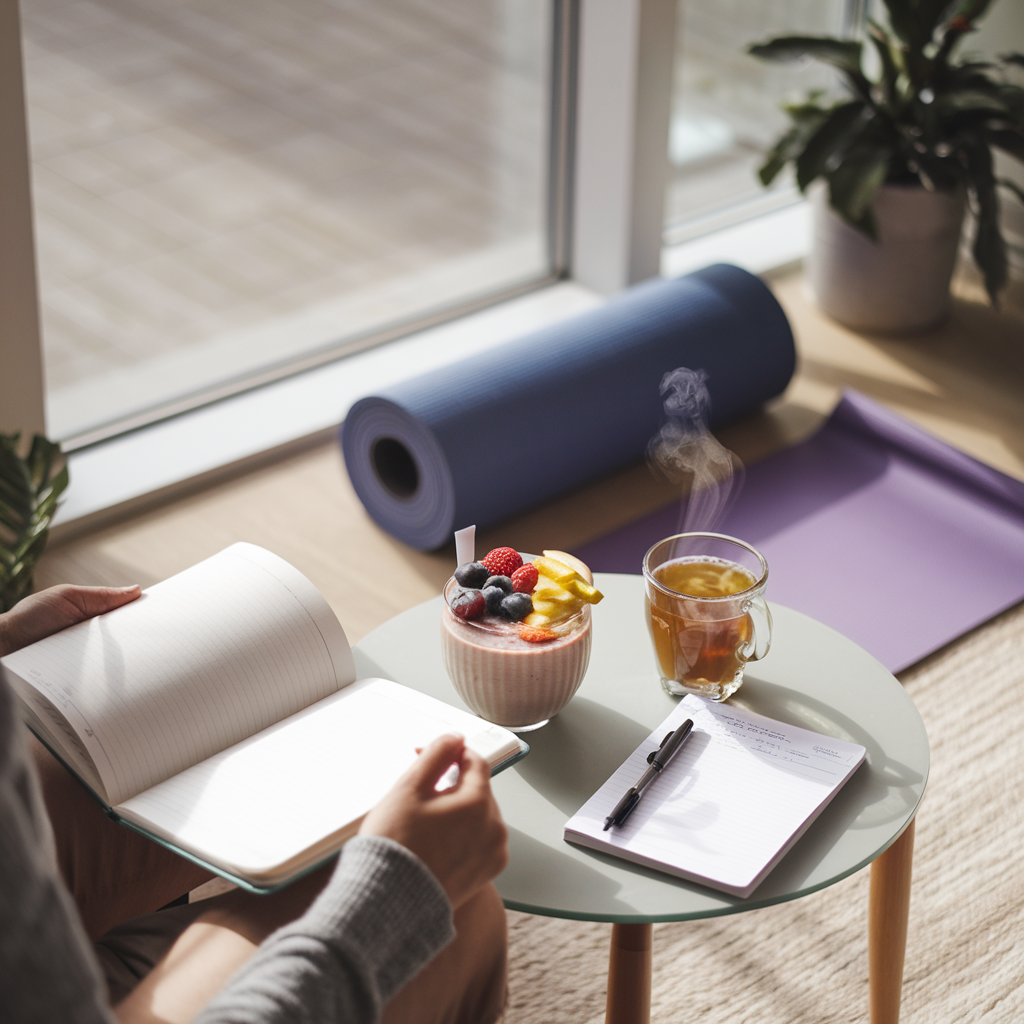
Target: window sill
<point>129,473</point>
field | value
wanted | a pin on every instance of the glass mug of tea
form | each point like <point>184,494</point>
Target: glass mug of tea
<point>706,611</point>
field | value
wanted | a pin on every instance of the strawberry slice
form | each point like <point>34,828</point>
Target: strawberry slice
<point>536,634</point>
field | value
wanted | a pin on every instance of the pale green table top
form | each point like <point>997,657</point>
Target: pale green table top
<point>813,677</point>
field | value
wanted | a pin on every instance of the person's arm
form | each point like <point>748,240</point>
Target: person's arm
<point>385,912</point>
<point>387,909</point>
<point>47,971</point>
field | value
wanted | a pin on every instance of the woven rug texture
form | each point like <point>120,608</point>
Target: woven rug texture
<point>805,962</point>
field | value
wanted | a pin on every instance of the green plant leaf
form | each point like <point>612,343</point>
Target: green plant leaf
<point>902,18</point>
<point>830,141</point>
<point>1012,186</point>
<point>915,21</point>
<point>1008,140</point>
<point>806,118</point>
<point>840,53</point>
<point>970,101</point>
<point>778,157</point>
<point>888,58</point>
<point>989,246</point>
<point>30,488</point>
<point>853,184</point>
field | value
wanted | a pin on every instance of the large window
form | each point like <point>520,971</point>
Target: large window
<point>226,191</point>
<point>725,105</point>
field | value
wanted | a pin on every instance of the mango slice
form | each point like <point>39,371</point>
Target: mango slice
<point>584,591</point>
<point>574,563</point>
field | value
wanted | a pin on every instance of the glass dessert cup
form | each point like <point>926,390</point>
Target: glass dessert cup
<point>510,681</point>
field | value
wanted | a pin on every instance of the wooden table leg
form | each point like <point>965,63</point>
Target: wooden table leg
<point>887,927</point>
<point>629,974</point>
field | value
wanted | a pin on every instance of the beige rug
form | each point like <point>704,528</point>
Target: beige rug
<point>806,962</point>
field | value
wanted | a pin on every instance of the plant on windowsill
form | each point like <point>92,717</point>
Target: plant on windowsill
<point>30,487</point>
<point>899,156</point>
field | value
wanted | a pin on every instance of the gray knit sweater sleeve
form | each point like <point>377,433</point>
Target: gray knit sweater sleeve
<point>382,916</point>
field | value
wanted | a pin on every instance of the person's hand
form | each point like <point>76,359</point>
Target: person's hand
<point>458,833</point>
<point>52,610</point>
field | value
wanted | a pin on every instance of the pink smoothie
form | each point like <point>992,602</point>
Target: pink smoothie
<point>508,680</point>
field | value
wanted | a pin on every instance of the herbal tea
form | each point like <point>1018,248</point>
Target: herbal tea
<point>701,644</point>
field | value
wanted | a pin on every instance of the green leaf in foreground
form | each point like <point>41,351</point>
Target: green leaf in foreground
<point>30,488</point>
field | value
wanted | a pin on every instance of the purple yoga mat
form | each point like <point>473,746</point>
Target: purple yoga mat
<point>872,526</point>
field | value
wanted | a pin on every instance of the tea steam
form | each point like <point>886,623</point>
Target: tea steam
<point>686,453</point>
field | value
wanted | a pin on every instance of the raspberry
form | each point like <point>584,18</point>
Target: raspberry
<point>536,634</point>
<point>524,579</point>
<point>502,561</point>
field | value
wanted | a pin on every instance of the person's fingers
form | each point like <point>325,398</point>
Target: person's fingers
<point>474,775</point>
<point>92,601</point>
<point>435,760</point>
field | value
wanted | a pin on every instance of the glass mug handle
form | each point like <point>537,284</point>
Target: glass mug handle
<point>761,636</point>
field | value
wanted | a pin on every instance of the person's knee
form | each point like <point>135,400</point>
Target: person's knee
<point>467,982</point>
<point>481,920</point>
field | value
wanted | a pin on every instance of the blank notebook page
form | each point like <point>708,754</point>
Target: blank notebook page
<point>742,789</point>
<point>272,796</point>
<point>197,663</point>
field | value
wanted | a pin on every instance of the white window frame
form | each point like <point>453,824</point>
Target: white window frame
<point>607,229</point>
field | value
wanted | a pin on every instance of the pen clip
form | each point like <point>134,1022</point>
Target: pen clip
<point>654,753</point>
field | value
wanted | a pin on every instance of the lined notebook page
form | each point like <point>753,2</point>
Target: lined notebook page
<point>271,797</point>
<point>199,662</point>
<point>741,791</point>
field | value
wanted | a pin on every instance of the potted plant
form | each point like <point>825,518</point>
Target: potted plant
<point>897,159</point>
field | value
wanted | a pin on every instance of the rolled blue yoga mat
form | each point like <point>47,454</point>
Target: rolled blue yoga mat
<point>486,438</point>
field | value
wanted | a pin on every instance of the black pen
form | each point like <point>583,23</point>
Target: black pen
<point>658,760</point>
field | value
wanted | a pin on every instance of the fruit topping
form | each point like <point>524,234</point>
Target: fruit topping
<point>536,634</point>
<point>500,581</point>
<point>516,607</point>
<point>555,570</point>
<point>560,592</point>
<point>502,561</point>
<point>573,562</point>
<point>468,604</point>
<point>524,579</point>
<point>472,574</point>
<point>493,596</point>
<point>584,591</point>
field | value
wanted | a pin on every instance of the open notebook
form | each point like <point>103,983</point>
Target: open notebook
<point>220,714</point>
<point>724,812</point>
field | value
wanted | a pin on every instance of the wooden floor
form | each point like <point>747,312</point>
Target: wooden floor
<point>964,382</point>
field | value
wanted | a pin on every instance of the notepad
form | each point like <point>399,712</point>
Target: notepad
<point>220,715</point>
<point>726,810</point>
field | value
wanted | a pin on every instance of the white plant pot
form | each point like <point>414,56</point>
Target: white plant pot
<point>900,284</point>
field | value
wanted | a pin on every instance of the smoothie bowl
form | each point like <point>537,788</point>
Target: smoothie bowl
<point>516,636</point>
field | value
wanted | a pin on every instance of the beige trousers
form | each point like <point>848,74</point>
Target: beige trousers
<point>164,966</point>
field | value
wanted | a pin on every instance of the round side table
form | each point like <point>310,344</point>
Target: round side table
<point>813,677</point>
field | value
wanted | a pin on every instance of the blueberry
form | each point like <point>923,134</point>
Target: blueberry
<point>494,596</point>
<point>500,581</point>
<point>516,607</point>
<point>468,604</point>
<point>472,574</point>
